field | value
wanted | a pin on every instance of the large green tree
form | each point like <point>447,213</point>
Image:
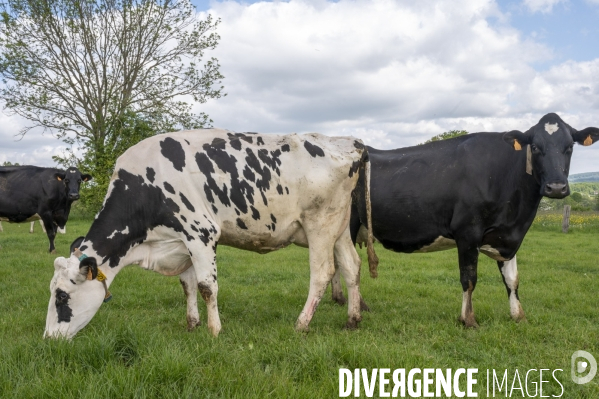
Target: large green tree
<point>83,69</point>
<point>128,130</point>
<point>446,135</point>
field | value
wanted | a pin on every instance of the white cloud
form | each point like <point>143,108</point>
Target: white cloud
<point>299,65</point>
<point>393,73</point>
<point>34,148</point>
<point>544,6</point>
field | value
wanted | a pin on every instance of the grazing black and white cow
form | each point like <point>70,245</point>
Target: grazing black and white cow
<point>29,193</point>
<point>174,197</point>
<point>478,192</point>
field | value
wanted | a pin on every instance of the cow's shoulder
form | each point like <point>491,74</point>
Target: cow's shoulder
<point>318,145</point>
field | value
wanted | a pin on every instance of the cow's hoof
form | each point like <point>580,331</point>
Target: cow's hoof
<point>521,318</point>
<point>340,300</point>
<point>351,324</point>
<point>363,306</point>
<point>192,324</point>
<point>53,252</point>
<point>518,316</point>
<point>214,331</point>
<point>468,322</point>
<point>302,327</point>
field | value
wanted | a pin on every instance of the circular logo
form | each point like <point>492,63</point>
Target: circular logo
<point>583,362</point>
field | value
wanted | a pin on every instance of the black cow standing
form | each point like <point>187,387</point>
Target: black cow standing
<point>479,192</point>
<point>29,193</point>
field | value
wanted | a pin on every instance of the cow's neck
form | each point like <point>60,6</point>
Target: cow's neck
<point>526,197</point>
<point>131,210</point>
<point>109,244</point>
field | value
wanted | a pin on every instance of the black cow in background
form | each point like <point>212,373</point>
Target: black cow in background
<point>479,192</point>
<point>59,220</point>
<point>30,193</point>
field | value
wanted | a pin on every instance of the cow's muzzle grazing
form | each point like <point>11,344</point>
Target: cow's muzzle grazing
<point>556,190</point>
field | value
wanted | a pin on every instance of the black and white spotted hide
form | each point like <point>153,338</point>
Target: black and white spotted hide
<point>174,197</point>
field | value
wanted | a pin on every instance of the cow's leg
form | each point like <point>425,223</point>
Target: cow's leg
<point>468,259</point>
<point>347,261</point>
<point>336,288</point>
<point>189,282</point>
<point>1,229</point>
<point>509,273</point>
<point>204,264</point>
<point>322,269</point>
<point>354,227</point>
<point>41,224</point>
<point>31,226</point>
<point>50,232</point>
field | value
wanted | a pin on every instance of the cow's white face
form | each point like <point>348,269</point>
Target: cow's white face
<point>74,299</point>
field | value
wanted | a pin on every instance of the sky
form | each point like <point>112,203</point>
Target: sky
<point>392,73</point>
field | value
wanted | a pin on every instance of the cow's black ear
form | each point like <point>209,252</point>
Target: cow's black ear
<point>586,136</point>
<point>517,139</point>
<point>86,177</point>
<point>88,267</point>
<point>60,176</point>
<point>77,243</point>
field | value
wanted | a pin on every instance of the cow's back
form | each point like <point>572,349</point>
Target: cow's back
<point>25,190</point>
<point>258,188</point>
<point>421,193</point>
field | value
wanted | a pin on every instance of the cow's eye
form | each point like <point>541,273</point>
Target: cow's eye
<point>569,149</point>
<point>67,181</point>
<point>61,297</point>
<point>534,148</point>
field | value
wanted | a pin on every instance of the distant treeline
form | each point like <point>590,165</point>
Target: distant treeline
<point>583,197</point>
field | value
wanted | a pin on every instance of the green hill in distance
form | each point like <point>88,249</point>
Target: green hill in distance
<point>589,177</point>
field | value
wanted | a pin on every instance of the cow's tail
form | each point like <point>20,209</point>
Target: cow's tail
<point>373,260</point>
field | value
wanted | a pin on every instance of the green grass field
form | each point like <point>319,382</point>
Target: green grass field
<point>137,345</point>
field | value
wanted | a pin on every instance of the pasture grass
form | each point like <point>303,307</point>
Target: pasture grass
<point>137,345</point>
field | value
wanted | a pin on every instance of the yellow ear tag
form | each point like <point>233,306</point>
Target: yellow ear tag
<point>101,276</point>
<point>58,177</point>
<point>588,140</point>
<point>517,145</point>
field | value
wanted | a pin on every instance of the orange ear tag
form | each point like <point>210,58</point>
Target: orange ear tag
<point>59,179</point>
<point>588,140</point>
<point>517,145</point>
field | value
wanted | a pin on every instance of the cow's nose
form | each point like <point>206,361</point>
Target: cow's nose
<point>73,196</point>
<point>556,190</point>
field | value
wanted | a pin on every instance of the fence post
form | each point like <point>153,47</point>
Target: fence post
<point>566,219</point>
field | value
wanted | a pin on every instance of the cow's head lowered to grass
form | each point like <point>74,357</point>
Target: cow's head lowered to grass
<point>77,290</point>
<point>550,148</point>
